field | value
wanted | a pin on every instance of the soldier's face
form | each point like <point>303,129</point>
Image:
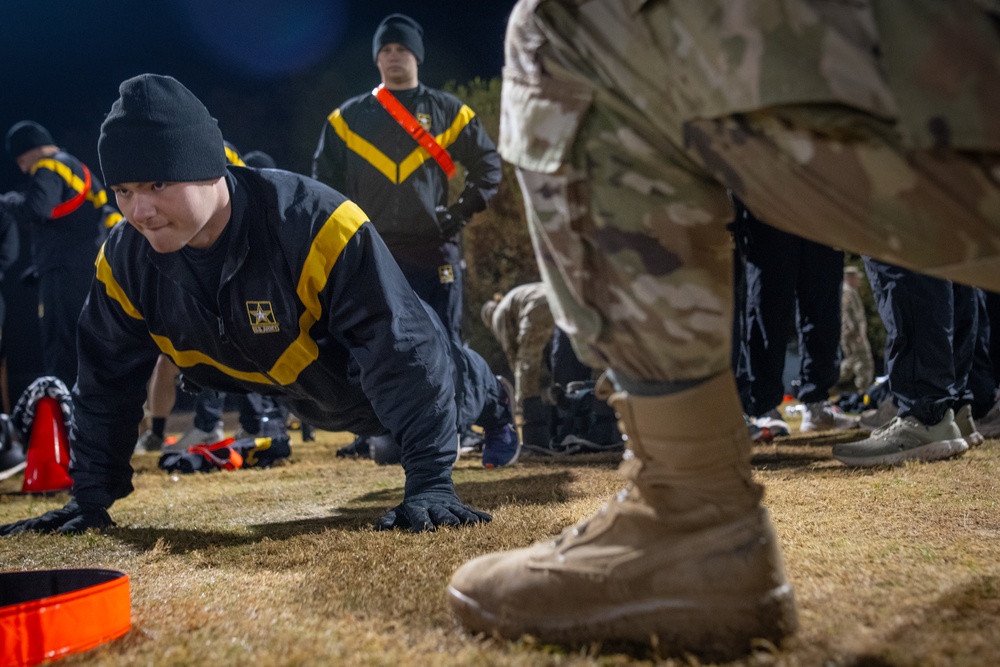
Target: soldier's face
<point>173,215</point>
<point>397,65</point>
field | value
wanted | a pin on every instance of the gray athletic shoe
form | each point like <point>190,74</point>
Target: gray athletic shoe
<point>905,439</point>
<point>989,425</point>
<point>880,416</point>
<point>825,416</point>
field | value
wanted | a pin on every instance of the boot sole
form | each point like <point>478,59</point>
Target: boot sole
<point>718,628</point>
<point>933,451</point>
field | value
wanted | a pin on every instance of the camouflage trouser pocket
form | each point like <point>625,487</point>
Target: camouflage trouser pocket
<point>633,246</point>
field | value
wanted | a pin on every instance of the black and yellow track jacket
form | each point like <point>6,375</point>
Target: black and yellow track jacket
<point>311,305</point>
<point>364,153</point>
<point>70,240</point>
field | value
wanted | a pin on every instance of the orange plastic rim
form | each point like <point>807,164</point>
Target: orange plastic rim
<point>49,614</point>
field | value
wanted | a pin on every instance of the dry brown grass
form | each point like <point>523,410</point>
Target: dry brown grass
<point>280,567</point>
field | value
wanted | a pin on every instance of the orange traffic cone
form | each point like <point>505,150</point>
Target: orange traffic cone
<point>47,465</point>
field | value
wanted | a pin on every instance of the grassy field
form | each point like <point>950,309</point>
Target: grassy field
<point>895,566</point>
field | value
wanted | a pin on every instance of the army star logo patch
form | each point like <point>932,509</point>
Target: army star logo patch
<point>446,274</point>
<point>261,317</point>
<point>425,121</point>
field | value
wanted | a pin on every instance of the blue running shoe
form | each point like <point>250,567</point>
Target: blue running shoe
<point>501,447</point>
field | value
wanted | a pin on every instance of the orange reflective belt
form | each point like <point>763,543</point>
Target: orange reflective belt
<point>49,614</point>
<point>414,128</point>
<point>68,207</point>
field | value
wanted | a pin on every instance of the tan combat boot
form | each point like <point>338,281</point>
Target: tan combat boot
<point>684,553</point>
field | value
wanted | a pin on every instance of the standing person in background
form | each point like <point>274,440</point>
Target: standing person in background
<point>401,180</point>
<point>857,366</point>
<point>792,285</point>
<point>393,152</point>
<point>931,329</point>
<point>68,211</point>
<point>628,123</point>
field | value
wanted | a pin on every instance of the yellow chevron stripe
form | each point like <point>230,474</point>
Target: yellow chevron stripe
<point>462,118</point>
<point>362,147</point>
<point>112,219</point>
<point>376,158</point>
<point>445,139</point>
<point>323,254</point>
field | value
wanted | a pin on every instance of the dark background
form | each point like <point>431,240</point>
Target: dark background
<point>269,70</point>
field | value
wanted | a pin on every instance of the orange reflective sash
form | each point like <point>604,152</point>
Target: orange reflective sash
<point>68,207</point>
<point>49,614</point>
<point>414,128</point>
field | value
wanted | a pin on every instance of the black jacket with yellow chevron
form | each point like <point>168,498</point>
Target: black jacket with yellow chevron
<point>311,306</point>
<point>69,240</point>
<point>364,153</point>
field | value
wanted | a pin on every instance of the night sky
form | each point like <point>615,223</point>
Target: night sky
<point>269,70</point>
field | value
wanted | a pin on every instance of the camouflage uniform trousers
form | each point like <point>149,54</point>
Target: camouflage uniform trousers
<point>526,353</point>
<point>857,364</point>
<point>629,120</point>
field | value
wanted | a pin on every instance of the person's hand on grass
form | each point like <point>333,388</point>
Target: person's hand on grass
<point>428,509</point>
<point>72,519</point>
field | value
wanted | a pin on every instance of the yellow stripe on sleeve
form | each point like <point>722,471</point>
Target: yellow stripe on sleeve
<point>62,170</point>
<point>323,254</point>
<point>111,286</point>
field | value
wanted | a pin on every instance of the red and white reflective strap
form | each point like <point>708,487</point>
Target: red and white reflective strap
<point>49,614</point>
<point>414,128</point>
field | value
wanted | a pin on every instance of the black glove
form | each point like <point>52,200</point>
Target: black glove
<point>450,220</point>
<point>72,519</point>
<point>429,509</point>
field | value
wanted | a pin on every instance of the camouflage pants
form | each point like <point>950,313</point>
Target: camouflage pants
<point>857,366</point>
<point>628,132</point>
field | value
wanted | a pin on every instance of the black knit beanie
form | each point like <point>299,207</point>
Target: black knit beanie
<point>399,29</point>
<point>157,130</point>
<point>25,135</point>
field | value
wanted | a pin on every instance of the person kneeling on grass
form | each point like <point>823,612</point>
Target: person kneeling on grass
<point>262,281</point>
